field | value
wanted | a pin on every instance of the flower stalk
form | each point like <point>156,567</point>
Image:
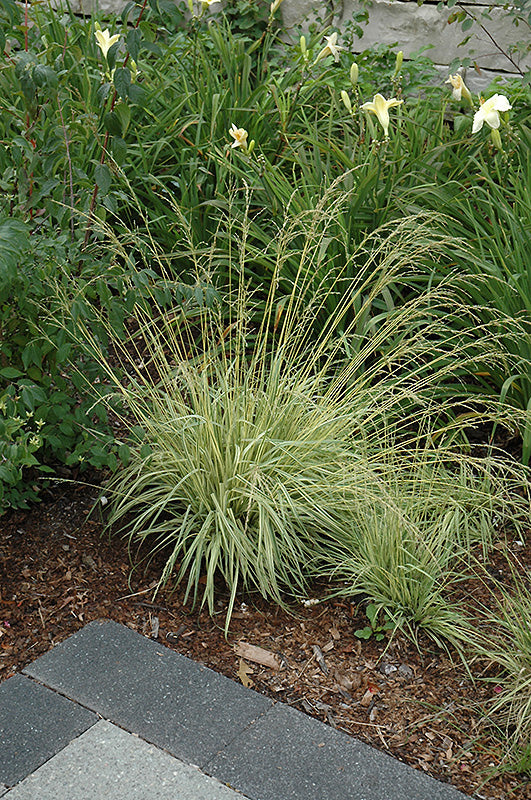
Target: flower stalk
<point>106,139</point>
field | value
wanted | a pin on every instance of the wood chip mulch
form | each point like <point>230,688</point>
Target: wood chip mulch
<point>57,573</point>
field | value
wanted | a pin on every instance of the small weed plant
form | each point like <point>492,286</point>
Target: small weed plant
<point>377,628</point>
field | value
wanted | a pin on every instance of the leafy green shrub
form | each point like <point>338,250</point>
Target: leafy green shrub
<point>19,440</point>
<point>45,375</point>
<point>34,354</point>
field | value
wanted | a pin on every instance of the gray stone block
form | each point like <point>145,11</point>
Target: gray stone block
<point>411,27</point>
<point>106,762</point>
<point>290,756</point>
<point>148,689</point>
<point>35,723</point>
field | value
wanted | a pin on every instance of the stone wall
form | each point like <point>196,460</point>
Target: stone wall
<point>409,26</point>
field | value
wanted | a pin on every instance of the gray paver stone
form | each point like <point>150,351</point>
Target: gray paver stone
<point>289,756</point>
<point>107,762</point>
<point>35,723</point>
<point>148,689</point>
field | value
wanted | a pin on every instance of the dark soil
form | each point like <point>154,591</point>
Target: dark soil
<point>57,573</point>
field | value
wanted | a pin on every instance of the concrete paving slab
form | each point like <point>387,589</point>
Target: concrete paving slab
<point>289,756</point>
<point>107,762</point>
<point>35,723</point>
<point>148,689</point>
<point>3,789</point>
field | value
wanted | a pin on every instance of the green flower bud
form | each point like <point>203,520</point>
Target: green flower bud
<point>496,138</point>
<point>354,73</point>
<point>398,62</point>
<point>346,101</point>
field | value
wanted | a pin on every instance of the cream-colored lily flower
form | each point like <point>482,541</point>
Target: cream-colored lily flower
<point>105,41</point>
<point>274,7</point>
<point>460,90</point>
<point>380,106</point>
<point>239,135</point>
<point>489,112</point>
<point>330,49</point>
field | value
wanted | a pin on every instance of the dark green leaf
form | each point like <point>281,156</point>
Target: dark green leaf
<point>133,43</point>
<point>112,123</point>
<point>11,373</point>
<point>123,112</point>
<point>102,175</point>
<point>126,11</point>
<point>111,55</point>
<point>137,95</point>
<point>119,150</point>
<point>122,82</point>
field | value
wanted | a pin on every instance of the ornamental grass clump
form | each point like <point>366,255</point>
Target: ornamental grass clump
<point>505,644</point>
<point>262,451</point>
<point>414,528</point>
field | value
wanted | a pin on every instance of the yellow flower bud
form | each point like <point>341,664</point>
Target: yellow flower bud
<point>354,73</point>
<point>303,44</point>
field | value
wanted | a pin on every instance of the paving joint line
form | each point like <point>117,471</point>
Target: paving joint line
<point>242,730</point>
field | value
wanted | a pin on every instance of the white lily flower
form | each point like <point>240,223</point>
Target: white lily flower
<point>239,135</point>
<point>105,41</point>
<point>460,90</point>
<point>489,112</point>
<point>380,107</point>
<point>330,49</point>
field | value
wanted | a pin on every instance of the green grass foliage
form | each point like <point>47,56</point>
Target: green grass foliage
<point>281,342</point>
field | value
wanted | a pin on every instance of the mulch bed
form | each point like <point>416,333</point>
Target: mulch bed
<point>57,573</point>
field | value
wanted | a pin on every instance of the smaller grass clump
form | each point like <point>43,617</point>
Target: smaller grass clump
<point>412,533</point>
<point>505,644</point>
